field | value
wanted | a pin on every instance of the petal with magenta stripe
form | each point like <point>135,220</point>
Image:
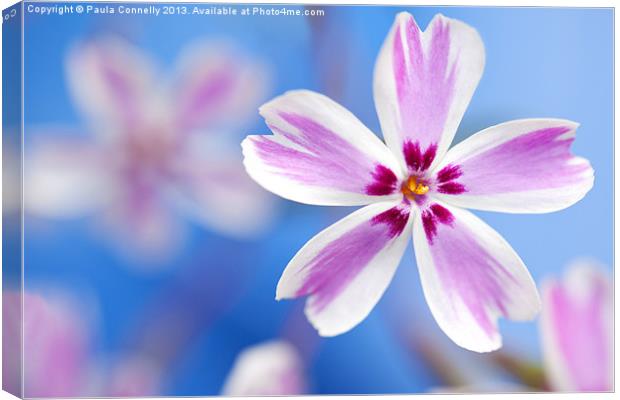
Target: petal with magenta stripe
<point>423,83</point>
<point>320,154</point>
<point>346,268</point>
<point>470,276</point>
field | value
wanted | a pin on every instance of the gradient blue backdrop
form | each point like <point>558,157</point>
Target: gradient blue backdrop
<point>541,62</point>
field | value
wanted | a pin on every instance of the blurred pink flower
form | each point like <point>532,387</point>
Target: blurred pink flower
<point>161,146</point>
<point>55,346</point>
<point>269,369</point>
<point>133,376</point>
<point>577,330</point>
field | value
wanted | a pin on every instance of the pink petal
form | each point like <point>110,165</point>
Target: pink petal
<point>577,330</point>
<point>55,346</point>
<point>518,166</point>
<point>346,268</point>
<point>423,83</point>
<point>111,81</point>
<point>320,154</point>
<point>216,83</point>
<point>470,276</point>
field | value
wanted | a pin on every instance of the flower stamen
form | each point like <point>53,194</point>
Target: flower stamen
<point>412,187</point>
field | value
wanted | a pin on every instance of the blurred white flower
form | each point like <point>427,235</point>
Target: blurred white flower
<point>268,369</point>
<point>161,147</point>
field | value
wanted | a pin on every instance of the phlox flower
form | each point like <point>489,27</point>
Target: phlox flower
<point>273,368</point>
<point>161,145</point>
<point>322,154</point>
<point>577,329</point>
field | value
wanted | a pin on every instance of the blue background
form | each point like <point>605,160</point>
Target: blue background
<point>540,62</point>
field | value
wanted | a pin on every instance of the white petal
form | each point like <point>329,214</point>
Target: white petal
<point>269,369</point>
<point>522,166</point>
<point>346,268</point>
<point>320,154</point>
<point>65,177</point>
<point>423,83</point>
<point>470,276</point>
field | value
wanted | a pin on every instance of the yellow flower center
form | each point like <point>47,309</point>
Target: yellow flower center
<point>412,187</point>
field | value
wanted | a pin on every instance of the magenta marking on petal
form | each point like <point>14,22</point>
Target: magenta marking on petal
<point>424,86</point>
<point>412,33</point>
<point>330,271</point>
<point>432,216</point>
<point>429,156</point>
<point>399,64</point>
<point>211,92</point>
<point>413,154</point>
<point>415,159</point>
<point>395,218</point>
<point>385,182</point>
<point>539,159</point>
<point>123,93</point>
<point>448,173</point>
<point>430,226</point>
<point>327,160</point>
<point>451,188</point>
<point>117,82</point>
<point>442,214</point>
<point>440,48</point>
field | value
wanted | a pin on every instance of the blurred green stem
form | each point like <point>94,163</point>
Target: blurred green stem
<point>527,372</point>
